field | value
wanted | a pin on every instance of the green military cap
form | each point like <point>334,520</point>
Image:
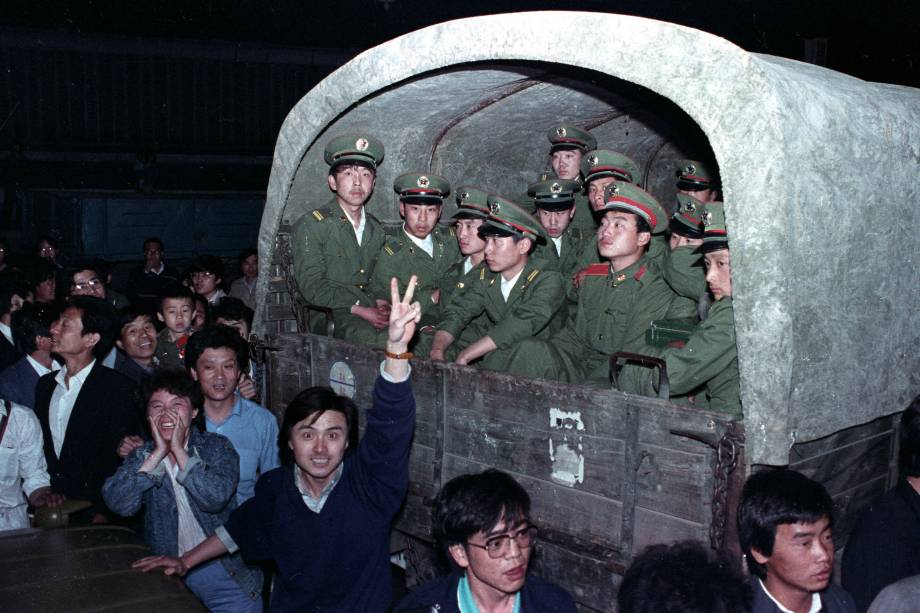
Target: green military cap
<point>623,196</point>
<point>715,234</point>
<point>693,175</point>
<point>570,137</point>
<point>472,203</point>
<point>416,188</point>
<point>353,149</point>
<point>507,218</point>
<point>553,194</point>
<point>687,219</point>
<point>606,163</point>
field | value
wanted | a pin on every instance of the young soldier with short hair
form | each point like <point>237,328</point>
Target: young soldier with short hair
<point>518,297</point>
<point>568,145</point>
<point>335,247</point>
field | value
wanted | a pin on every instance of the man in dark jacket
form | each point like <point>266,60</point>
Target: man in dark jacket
<point>885,543</point>
<point>784,525</point>
<point>483,523</point>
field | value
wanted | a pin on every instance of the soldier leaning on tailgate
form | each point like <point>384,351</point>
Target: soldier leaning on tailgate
<point>518,297</point>
<point>336,246</point>
<point>419,248</point>
<point>568,145</point>
<point>617,300</point>
<point>710,356</point>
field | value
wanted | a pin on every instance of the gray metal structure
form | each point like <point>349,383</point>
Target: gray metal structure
<point>819,172</point>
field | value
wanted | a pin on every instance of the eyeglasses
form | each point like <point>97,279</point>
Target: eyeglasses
<point>498,546</point>
<point>202,275</point>
<point>82,285</point>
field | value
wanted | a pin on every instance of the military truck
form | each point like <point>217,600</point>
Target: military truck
<point>819,181</point>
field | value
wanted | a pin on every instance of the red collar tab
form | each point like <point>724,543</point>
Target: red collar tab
<point>597,270</point>
<point>639,273</point>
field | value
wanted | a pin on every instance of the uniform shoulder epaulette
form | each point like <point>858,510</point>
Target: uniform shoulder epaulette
<point>482,273</point>
<point>640,273</point>
<point>321,214</point>
<point>597,270</point>
<point>578,234</point>
<point>392,247</point>
<point>533,275</point>
<point>451,232</point>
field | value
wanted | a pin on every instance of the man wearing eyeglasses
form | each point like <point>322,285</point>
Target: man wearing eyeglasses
<point>87,279</point>
<point>483,522</point>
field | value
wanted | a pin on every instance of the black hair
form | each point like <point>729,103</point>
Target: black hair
<point>474,503</point>
<point>28,322</point>
<point>97,316</point>
<point>8,289</point>
<point>42,270</point>
<point>95,265</point>
<point>682,578</point>
<point>642,225</point>
<point>230,308</point>
<point>312,403</point>
<point>178,383</point>
<point>131,312</point>
<point>175,291</point>
<point>208,263</point>
<point>338,166</point>
<point>777,497</point>
<point>216,337</point>
<point>910,439</point>
<point>154,239</point>
<point>50,239</point>
<point>246,253</point>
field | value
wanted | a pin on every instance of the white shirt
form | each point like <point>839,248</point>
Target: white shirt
<point>214,299</point>
<point>815,601</point>
<point>468,264</point>
<point>359,230</point>
<point>62,401</point>
<point>425,244</point>
<point>508,285</point>
<point>7,332</point>
<point>190,531</point>
<point>39,367</point>
<point>22,466</point>
<point>558,243</point>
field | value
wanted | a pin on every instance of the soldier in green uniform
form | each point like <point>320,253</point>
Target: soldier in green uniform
<point>472,211</point>
<point>335,247</point>
<point>694,178</point>
<point>518,298</point>
<point>617,300</point>
<point>421,248</point>
<point>568,145</point>
<point>683,266</point>
<point>710,356</point>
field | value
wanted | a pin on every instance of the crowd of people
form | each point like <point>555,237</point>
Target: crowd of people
<point>141,407</point>
<point>591,264</point>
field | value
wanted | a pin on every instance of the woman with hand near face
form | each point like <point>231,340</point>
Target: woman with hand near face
<point>186,478</point>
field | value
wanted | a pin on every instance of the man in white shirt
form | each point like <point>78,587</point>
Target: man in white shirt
<point>31,327</point>
<point>85,409</point>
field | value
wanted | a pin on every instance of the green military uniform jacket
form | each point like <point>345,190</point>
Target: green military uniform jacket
<point>584,217</point>
<point>453,287</point>
<point>330,267</point>
<point>709,358</point>
<point>614,311</point>
<point>402,258</point>
<point>574,242</point>
<point>531,305</point>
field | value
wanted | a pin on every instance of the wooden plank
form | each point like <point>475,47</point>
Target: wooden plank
<point>588,580</point>
<point>653,527</point>
<point>804,450</point>
<point>847,467</point>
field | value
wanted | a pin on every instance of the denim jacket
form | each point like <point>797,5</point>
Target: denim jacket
<point>210,478</point>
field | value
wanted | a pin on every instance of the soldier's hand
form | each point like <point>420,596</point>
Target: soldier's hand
<point>372,315</point>
<point>578,277</point>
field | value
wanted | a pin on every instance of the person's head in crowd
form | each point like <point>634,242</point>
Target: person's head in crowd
<point>698,179</point>
<point>682,578</point>
<point>483,523</point>
<point>207,273</point>
<point>785,523</point>
<point>171,395</point>
<point>627,221</point>
<point>601,168</point>
<point>153,253</point>
<point>686,226</point>
<point>215,357</point>
<point>319,426</point>
<point>201,313</point>
<point>137,336</point>
<point>88,278</point>
<point>48,247</point>
<point>716,254</point>
<point>472,211</point>
<point>4,254</point>
<point>568,145</point>
<point>232,312</point>
<point>176,310</point>
<point>44,282</point>
<point>31,326</point>
<point>554,200</point>
<point>13,294</point>
<point>353,162</point>
<point>248,261</point>
<point>421,199</point>
<point>910,440</point>
<point>85,329</point>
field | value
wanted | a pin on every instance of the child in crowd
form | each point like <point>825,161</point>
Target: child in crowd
<point>200,318</point>
<point>176,311</point>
